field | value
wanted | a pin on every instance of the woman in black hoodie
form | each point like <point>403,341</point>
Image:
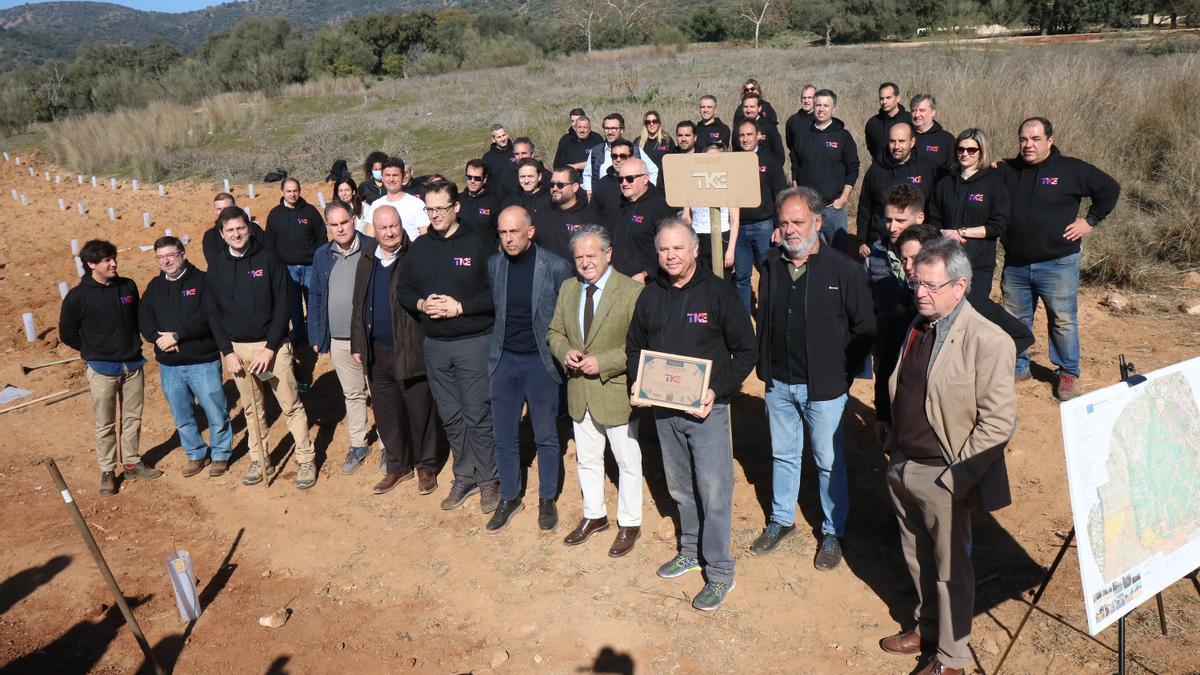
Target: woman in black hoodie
<point>971,206</point>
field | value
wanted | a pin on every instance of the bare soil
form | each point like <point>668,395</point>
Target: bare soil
<point>393,584</point>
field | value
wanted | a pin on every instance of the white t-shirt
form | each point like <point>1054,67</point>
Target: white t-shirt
<point>412,213</point>
<point>700,220</point>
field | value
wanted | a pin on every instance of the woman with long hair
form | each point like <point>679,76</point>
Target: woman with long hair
<point>345,190</point>
<point>372,186</point>
<point>653,142</point>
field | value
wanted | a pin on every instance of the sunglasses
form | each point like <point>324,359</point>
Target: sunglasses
<point>621,156</point>
<point>472,179</point>
<point>650,120</point>
<point>558,186</point>
<point>967,151</point>
<point>630,178</point>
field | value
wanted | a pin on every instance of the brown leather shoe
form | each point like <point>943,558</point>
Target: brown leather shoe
<point>908,643</point>
<point>390,481</point>
<point>218,468</point>
<point>586,528</point>
<point>626,538</point>
<point>935,667</point>
<point>194,466</point>
<point>426,481</point>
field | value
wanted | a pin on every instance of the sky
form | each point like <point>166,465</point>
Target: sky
<point>153,5</point>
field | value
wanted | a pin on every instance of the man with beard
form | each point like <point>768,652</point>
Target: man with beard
<point>685,138</point>
<point>816,324</point>
<point>891,112</point>
<point>566,214</point>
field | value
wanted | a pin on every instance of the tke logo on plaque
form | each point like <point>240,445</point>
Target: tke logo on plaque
<point>672,381</point>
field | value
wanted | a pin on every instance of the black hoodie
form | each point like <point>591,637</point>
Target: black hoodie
<point>295,233</point>
<point>825,160</point>
<point>498,162</point>
<point>936,144</point>
<point>771,182</point>
<point>633,230</point>
<point>794,129</point>
<point>883,174</point>
<point>178,307</point>
<point>573,150</point>
<point>877,130</point>
<point>556,225</point>
<point>1045,200</point>
<point>704,319</point>
<point>101,321</point>
<point>606,196</point>
<point>712,132</point>
<point>767,112</point>
<point>455,266</point>
<point>533,202</point>
<point>212,243</point>
<point>509,186</point>
<point>248,298</point>
<point>981,200</point>
<point>479,211</point>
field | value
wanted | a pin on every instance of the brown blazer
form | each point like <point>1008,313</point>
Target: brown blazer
<point>971,403</point>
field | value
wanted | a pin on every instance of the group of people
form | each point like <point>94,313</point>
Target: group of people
<point>462,311</point>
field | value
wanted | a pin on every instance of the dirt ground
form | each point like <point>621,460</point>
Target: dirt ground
<point>393,584</point>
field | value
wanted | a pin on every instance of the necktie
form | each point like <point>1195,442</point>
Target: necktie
<point>589,309</point>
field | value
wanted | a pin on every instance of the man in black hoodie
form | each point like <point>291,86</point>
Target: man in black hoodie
<point>294,231</point>
<point>686,310</point>
<point>573,147</point>
<point>933,142</point>
<point>99,319</point>
<point>445,285</point>
<point>768,132</point>
<point>212,243</point>
<point>898,166</point>
<point>825,158</point>
<point>554,226</point>
<point>499,158</point>
<point>757,222</point>
<point>172,318</point>
<point>509,186</point>
<point>1042,242</point>
<point>891,112</point>
<point>710,129</point>
<point>247,295</point>
<point>480,206</point>
<point>642,207</point>
<point>532,193</point>
<point>798,123</point>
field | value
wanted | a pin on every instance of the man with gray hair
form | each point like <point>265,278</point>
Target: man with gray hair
<point>954,408</point>
<point>816,326</point>
<point>933,142</point>
<point>587,336</point>
<point>686,310</point>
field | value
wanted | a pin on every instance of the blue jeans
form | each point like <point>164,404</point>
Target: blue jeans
<point>201,382</point>
<point>835,227</point>
<point>521,379</point>
<point>1056,283</point>
<point>301,277</point>
<point>753,242</point>
<point>787,406</point>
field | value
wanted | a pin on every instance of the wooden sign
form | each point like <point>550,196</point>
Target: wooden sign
<point>712,179</point>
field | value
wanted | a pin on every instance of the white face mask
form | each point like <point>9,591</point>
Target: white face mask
<point>377,174</point>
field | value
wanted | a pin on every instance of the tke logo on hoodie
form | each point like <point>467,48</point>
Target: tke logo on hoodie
<point>932,148</point>
<point>1049,180</point>
<point>302,221</point>
<point>126,299</point>
<point>762,168</point>
<point>714,134</point>
<point>916,180</point>
<point>189,293</point>
<point>257,274</point>
<point>832,145</point>
<point>572,227</point>
<point>978,197</point>
<point>697,317</point>
<point>638,219</point>
<point>485,212</point>
<point>462,262</point>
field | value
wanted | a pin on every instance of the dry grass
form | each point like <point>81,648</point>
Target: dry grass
<point>325,86</point>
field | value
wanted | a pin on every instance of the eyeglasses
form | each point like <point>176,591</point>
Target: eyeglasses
<point>167,256</point>
<point>650,120</point>
<point>438,210</point>
<point>473,179</point>
<point>558,186</point>
<point>967,151</point>
<point>929,288</point>
<point>621,156</point>
<point>630,178</point>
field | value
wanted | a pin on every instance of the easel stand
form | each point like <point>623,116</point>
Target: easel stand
<point>1130,377</point>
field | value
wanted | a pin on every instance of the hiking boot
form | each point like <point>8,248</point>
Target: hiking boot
<point>505,510</point>
<point>713,595</point>
<point>306,477</point>
<point>1068,386</point>
<point>391,480</point>
<point>678,566</point>
<point>254,475</point>
<point>140,470</point>
<point>426,481</point>
<point>108,483</point>
<point>771,537</point>
<point>829,554</point>
<point>218,468</point>
<point>194,466</point>
<point>547,515</point>
<point>489,496</point>
<point>459,492</point>
<point>354,458</point>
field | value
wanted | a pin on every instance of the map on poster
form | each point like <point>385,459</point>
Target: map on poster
<point>1133,468</point>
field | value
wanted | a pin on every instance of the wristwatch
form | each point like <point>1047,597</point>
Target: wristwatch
<point>962,232</point>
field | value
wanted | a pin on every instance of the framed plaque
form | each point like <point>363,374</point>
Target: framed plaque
<point>672,381</point>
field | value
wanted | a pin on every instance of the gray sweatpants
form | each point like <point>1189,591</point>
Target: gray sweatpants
<point>458,379</point>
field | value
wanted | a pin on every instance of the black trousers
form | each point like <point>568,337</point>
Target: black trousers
<point>458,378</point>
<point>405,416</point>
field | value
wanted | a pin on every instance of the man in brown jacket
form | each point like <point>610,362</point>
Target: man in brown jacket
<point>387,340</point>
<point>954,409</point>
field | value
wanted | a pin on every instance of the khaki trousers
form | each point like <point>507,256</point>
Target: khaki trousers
<point>108,393</point>
<point>287,393</point>
<point>354,389</point>
<point>935,535</point>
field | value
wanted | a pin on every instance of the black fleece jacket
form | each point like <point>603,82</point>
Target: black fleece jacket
<point>100,321</point>
<point>1045,200</point>
<point>295,233</point>
<point>178,307</point>
<point>981,200</point>
<point>936,144</point>
<point>826,160</point>
<point>455,266</point>
<point>877,129</point>
<point>555,226</point>
<point>633,230</point>
<point>248,298</point>
<point>704,319</point>
<point>771,182</point>
<point>883,174</point>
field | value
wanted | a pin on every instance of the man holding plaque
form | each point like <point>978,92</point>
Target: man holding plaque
<point>698,320</point>
<point>816,325</point>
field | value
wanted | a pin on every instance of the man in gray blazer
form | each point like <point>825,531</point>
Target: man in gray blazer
<point>525,279</point>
